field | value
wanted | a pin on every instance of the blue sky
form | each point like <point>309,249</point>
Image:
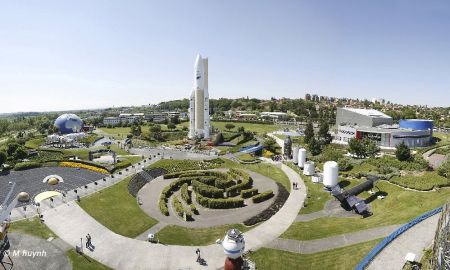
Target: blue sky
<point>62,55</point>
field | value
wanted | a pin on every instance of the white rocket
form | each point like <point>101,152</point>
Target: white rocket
<point>199,101</point>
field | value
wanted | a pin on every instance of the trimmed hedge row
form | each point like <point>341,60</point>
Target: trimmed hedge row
<point>168,191</point>
<point>224,183</point>
<point>185,193</point>
<point>247,193</point>
<point>179,209</point>
<point>184,174</point>
<point>219,203</point>
<point>27,165</point>
<point>236,189</point>
<point>207,180</point>
<point>207,190</point>
<point>194,209</point>
<point>262,196</point>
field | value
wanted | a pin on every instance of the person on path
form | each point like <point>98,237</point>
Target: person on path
<point>88,241</point>
<point>198,254</point>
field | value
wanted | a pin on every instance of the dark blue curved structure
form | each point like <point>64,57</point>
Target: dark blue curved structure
<point>418,124</point>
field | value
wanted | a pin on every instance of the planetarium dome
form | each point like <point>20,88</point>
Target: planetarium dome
<point>68,123</point>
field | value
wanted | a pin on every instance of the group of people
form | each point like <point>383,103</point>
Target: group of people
<point>89,242</point>
<point>295,185</point>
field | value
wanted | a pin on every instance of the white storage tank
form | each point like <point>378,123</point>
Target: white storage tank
<point>295,155</point>
<point>309,168</point>
<point>330,174</point>
<point>301,157</point>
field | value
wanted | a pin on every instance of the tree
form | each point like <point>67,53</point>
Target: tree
<point>402,152</point>
<point>218,139</point>
<point>20,153</point>
<point>3,158</point>
<point>171,126</point>
<point>371,147</point>
<point>229,126</point>
<point>309,132</point>
<point>11,148</point>
<point>356,148</point>
<point>314,146</point>
<point>270,144</point>
<point>323,134</point>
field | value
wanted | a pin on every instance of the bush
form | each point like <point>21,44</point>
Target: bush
<point>263,196</point>
<point>26,165</point>
<point>185,193</point>
<point>416,164</point>
<point>247,193</point>
<point>345,164</point>
<point>163,206</point>
<point>178,207</point>
<point>194,209</point>
<point>246,183</point>
<point>219,203</point>
<point>206,190</point>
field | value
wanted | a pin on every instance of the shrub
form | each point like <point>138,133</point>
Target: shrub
<point>185,193</point>
<point>194,209</point>
<point>247,193</point>
<point>262,196</point>
<point>206,190</point>
<point>163,206</point>
<point>178,207</point>
<point>26,165</point>
<point>219,203</point>
<point>345,164</point>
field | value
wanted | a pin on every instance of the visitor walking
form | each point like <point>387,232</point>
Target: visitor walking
<point>198,254</point>
<point>88,241</point>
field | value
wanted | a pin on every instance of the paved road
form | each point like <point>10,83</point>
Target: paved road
<point>414,240</point>
<point>70,222</point>
<point>31,180</point>
<point>313,246</point>
<point>47,255</point>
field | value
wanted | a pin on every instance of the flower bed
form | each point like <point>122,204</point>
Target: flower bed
<point>72,164</point>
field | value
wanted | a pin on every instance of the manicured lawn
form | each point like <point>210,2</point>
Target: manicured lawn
<point>246,158</point>
<point>35,143</point>
<point>117,210</point>
<point>83,262</point>
<point>270,171</point>
<point>117,133</point>
<point>316,198</point>
<point>399,206</point>
<point>336,259</point>
<point>33,227</point>
<point>428,181</point>
<point>177,235</point>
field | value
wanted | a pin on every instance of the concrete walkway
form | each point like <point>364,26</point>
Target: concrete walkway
<point>313,246</point>
<point>332,208</point>
<point>414,240</point>
<point>70,222</point>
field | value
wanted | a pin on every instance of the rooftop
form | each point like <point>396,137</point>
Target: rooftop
<point>368,112</point>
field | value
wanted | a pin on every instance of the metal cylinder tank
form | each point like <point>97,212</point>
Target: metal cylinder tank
<point>295,155</point>
<point>330,174</point>
<point>309,168</point>
<point>301,157</point>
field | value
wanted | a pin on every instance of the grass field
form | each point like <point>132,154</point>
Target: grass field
<point>117,210</point>
<point>33,227</point>
<point>336,259</point>
<point>316,198</point>
<point>399,206</point>
<point>35,143</point>
<point>83,262</point>
<point>116,133</point>
<point>177,235</point>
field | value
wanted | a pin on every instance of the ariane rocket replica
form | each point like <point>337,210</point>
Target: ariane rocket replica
<point>199,101</point>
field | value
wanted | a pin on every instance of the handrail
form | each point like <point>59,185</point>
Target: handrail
<point>386,241</point>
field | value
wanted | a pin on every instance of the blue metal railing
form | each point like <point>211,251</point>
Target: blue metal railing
<point>386,241</point>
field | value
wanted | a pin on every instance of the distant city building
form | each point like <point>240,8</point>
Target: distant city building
<point>276,116</point>
<point>199,101</point>
<point>378,127</point>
